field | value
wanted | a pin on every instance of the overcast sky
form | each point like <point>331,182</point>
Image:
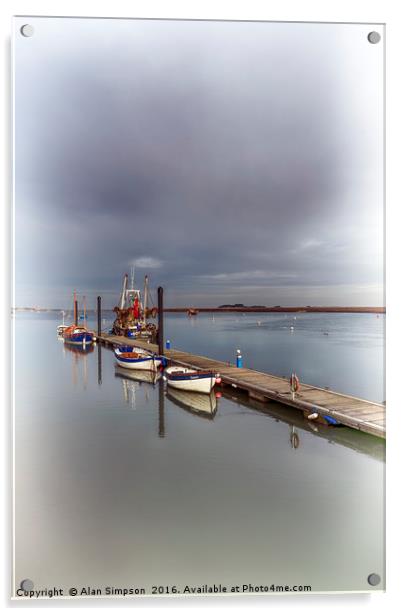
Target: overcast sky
<point>232,162</point>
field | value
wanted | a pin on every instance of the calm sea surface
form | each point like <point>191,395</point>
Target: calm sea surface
<point>120,483</point>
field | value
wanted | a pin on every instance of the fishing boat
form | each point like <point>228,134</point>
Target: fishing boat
<point>202,405</point>
<point>201,381</point>
<point>133,312</point>
<point>136,359</point>
<point>192,312</point>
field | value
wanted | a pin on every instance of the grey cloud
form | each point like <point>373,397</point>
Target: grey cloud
<point>209,148</point>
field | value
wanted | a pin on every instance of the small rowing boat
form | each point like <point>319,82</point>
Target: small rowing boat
<point>62,327</point>
<point>136,359</point>
<point>200,381</point>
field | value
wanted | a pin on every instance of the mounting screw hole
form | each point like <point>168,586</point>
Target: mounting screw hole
<point>27,30</point>
<point>374,37</point>
<point>27,585</point>
<point>374,579</point>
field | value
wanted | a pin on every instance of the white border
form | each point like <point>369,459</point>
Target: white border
<point>378,11</point>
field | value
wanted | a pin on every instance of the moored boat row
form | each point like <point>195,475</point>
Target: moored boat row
<point>176,376</point>
<point>131,322</point>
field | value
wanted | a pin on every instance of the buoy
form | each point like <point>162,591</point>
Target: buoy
<point>331,420</point>
<point>218,394</point>
<point>313,416</point>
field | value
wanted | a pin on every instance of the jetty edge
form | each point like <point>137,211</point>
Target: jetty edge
<point>349,411</point>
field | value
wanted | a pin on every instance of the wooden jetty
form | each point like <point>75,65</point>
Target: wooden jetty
<point>350,411</point>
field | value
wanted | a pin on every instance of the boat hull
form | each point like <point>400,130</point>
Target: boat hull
<point>145,363</point>
<point>136,359</point>
<point>202,384</point>
<point>79,339</point>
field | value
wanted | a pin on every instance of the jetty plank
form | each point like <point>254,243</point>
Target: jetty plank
<point>350,411</point>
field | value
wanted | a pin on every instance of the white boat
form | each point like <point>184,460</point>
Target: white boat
<point>201,381</point>
<point>62,327</point>
<point>127,357</point>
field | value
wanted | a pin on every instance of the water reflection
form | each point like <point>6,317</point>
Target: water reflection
<point>161,408</point>
<point>78,350</point>
<point>139,376</point>
<point>142,482</point>
<point>205,406</point>
<point>294,438</point>
<point>99,364</point>
<point>79,363</point>
<point>341,435</point>
<point>201,405</point>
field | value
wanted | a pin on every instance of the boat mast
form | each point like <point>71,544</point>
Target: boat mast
<point>145,299</point>
<point>85,311</point>
<point>123,292</point>
<point>75,307</point>
<point>132,272</point>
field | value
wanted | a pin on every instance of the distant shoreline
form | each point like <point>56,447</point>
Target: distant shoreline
<point>363,309</point>
<point>244,309</point>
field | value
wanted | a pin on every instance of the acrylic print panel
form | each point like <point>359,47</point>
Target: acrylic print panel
<point>236,165</point>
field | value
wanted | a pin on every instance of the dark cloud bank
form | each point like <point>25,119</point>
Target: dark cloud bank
<point>233,162</point>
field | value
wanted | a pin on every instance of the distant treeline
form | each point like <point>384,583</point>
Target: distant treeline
<point>242,308</point>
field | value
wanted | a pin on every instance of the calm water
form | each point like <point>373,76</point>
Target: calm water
<point>119,483</point>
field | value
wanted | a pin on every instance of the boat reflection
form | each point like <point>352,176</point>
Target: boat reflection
<point>140,376</point>
<point>202,405</point>
<point>79,362</point>
<point>78,350</point>
<point>132,380</point>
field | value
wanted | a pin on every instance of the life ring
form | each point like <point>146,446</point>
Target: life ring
<point>294,383</point>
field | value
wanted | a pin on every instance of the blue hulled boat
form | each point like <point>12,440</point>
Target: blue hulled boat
<point>75,334</point>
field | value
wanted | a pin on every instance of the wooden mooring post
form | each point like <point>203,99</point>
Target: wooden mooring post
<point>160,321</point>
<point>99,310</point>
